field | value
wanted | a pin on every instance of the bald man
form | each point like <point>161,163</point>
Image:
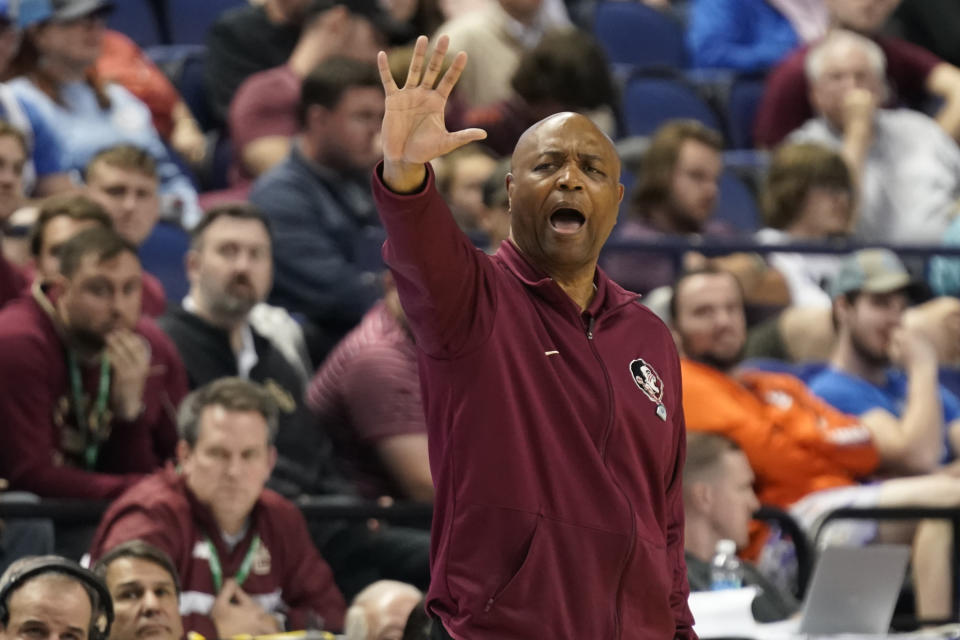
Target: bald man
<point>552,397</point>
<point>380,611</point>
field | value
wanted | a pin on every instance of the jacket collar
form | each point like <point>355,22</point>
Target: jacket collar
<point>202,515</point>
<point>610,295</point>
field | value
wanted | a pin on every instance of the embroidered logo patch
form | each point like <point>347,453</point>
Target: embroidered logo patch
<point>261,561</point>
<point>647,379</point>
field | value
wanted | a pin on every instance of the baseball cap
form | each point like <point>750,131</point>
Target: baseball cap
<point>34,11</point>
<point>872,271</point>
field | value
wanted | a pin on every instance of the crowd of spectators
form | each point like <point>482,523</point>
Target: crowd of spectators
<point>816,376</point>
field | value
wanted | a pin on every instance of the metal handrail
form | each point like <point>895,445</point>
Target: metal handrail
<point>715,246</point>
<point>73,511</point>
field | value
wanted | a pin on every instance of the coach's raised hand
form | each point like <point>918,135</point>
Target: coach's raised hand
<point>413,129</point>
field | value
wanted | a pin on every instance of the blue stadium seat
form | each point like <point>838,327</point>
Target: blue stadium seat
<point>634,34</point>
<point>138,21</point>
<point>736,205</point>
<point>190,20</point>
<point>649,101</point>
<point>162,255</point>
<point>745,95</point>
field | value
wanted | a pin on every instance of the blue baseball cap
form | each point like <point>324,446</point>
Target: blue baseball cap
<point>28,12</point>
<point>35,11</point>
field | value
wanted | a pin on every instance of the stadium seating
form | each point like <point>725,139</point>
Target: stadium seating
<point>184,65</point>
<point>162,255</point>
<point>651,100</point>
<point>736,205</point>
<point>138,20</point>
<point>741,107</point>
<point>190,20</point>
<point>637,35</point>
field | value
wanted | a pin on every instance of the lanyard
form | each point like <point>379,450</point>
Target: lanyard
<point>90,425</point>
<point>216,569</point>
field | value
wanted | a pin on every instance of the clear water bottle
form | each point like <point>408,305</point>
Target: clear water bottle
<point>726,571</point>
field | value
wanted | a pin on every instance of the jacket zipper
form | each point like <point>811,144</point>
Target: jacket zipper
<point>618,622</point>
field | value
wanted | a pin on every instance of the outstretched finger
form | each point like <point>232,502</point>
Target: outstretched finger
<point>416,63</point>
<point>436,62</point>
<point>389,86</point>
<point>457,139</point>
<point>452,75</point>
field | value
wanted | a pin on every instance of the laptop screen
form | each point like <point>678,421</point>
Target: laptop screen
<point>854,590</point>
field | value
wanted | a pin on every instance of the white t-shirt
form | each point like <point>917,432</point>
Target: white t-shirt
<point>806,274</point>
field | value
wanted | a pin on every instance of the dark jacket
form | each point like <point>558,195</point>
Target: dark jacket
<point>326,240</point>
<point>305,463</point>
<point>558,510</point>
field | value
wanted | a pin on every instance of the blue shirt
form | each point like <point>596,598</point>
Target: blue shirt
<point>43,144</point>
<point>745,35</point>
<point>857,396</point>
<point>84,129</point>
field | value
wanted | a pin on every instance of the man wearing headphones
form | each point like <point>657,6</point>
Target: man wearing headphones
<point>49,597</point>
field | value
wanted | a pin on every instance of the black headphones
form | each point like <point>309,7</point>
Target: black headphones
<point>23,570</point>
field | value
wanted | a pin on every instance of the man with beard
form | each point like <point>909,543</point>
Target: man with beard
<point>89,387</point>
<point>219,334</point>
<point>675,194</point>
<point>880,369</point>
<point>807,456</point>
<point>224,329</point>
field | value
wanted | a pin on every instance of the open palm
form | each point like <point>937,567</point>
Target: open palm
<point>413,129</point>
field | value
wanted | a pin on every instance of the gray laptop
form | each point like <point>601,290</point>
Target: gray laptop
<point>854,590</point>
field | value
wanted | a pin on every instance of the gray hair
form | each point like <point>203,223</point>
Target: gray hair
<point>233,394</point>
<point>837,39</point>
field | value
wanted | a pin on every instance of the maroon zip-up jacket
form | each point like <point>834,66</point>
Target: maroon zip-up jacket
<point>558,511</point>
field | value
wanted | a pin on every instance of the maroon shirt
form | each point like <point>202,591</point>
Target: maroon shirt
<point>786,103</point>
<point>287,576</point>
<point>154,299</point>
<point>367,391</point>
<point>264,105</point>
<point>558,511</point>
<point>36,405</point>
<point>12,281</point>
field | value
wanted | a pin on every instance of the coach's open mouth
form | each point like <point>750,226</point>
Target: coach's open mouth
<point>567,220</point>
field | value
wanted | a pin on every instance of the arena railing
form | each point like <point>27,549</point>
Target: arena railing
<point>67,511</point>
<point>677,245</point>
